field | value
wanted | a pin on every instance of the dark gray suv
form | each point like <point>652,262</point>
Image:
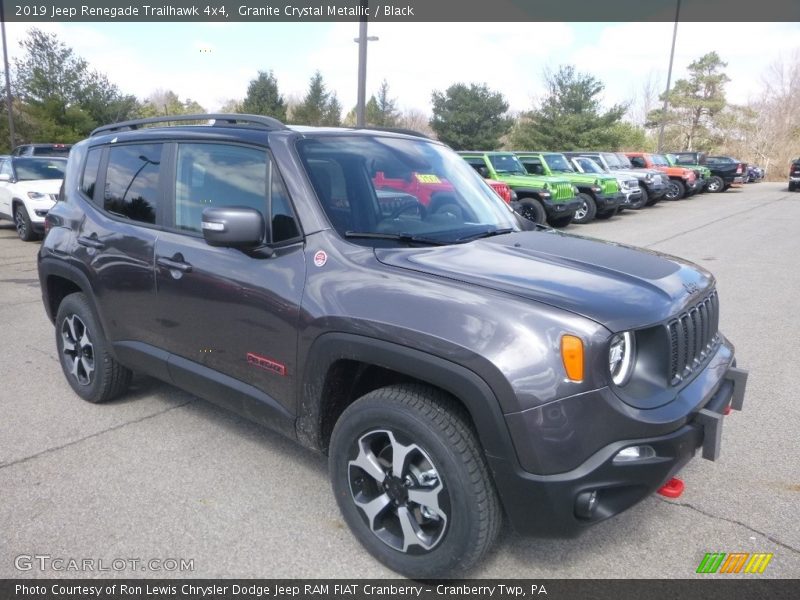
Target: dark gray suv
<point>367,294</point>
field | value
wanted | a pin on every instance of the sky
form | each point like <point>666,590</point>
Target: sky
<point>213,62</point>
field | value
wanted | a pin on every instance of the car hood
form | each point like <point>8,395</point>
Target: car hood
<point>536,181</point>
<point>618,286</point>
<point>626,173</point>
<point>45,186</point>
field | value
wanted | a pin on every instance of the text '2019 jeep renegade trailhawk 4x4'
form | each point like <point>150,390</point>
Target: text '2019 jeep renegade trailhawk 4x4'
<point>454,367</point>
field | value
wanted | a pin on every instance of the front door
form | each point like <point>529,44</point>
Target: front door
<point>230,316</point>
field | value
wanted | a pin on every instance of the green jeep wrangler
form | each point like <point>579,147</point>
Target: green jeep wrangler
<point>538,198</point>
<point>703,172</point>
<point>600,195</point>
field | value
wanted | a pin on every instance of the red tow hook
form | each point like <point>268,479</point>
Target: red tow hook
<point>728,410</point>
<point>672,489</point>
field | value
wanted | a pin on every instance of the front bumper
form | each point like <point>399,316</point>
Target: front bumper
<point>656,189</point>
<point>546,505</point>
<point>632,196</point>
<point>559,208</point>
<point>608,203</point>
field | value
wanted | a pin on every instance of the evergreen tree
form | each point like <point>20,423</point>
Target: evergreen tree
<point>470,117</point>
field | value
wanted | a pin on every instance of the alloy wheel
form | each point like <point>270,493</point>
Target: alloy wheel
<point>581,212</point>
<point>78,349</point>
<point>19,222</point>
<point>399,492</point>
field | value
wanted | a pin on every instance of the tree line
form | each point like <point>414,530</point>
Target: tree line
<point>58,97</point>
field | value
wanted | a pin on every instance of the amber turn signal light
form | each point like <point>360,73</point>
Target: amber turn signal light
<point>572,357</point>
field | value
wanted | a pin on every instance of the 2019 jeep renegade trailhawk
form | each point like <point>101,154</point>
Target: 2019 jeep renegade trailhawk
<point>454,366</point>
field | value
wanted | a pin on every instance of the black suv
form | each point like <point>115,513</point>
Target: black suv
<point>794,175</point>
<point>454,368</point>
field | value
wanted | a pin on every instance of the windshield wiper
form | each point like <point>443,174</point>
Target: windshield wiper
<point>485,234</point>
<point>400,237</point>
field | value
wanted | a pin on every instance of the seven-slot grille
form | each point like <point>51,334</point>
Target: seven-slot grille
<point>563,191</point>
<point>693,337</point>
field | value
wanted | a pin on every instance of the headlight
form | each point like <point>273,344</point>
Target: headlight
<point>546,186</point>
<point>36,195</point>
<point>597,188</point>
<point>648,177</point>
<point>621,357</point>
<point>575,190</point>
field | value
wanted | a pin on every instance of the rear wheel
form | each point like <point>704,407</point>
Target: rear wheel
<point>587,211</point>
<point>533,210</point>
<point>83,352</point>
<point>411,481</point>
<point>792,187</point>
<point>716,184</point>
<point>675,190</point>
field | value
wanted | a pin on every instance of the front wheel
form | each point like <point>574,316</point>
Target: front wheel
<point>715,184</point>
<point>792,187</point>
<point>533,211</point>
<point>22,222</point>
<point>587,211</point>
<point>561,221</point>
<point>411,481</point>
<point>675,190</point>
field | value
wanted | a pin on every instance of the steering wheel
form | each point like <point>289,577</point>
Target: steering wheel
<point>404,207</point>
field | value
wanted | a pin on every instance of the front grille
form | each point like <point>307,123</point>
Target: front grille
<point>563,191</point>
<point>610,187</point>
<point>693,338</point>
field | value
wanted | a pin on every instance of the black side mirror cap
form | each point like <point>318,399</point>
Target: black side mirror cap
<point>233,226</point>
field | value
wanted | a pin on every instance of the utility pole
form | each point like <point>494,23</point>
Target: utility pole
<point>362,41</point>
<point>8,77</point>
<point>669,80</point>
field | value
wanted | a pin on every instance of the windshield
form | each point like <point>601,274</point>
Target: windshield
<point>624,161</point>
<point>659,160</point>
<point>507,164</point>
<point>374,187</point>
<point>558,163</point>
<point>30,169</point>
<point>612,161</point>
<point>587,165</point>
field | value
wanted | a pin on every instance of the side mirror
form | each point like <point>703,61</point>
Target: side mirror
<point>5,177</point>
<point>234,226</point>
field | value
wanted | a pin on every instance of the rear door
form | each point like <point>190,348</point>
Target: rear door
<point>230,316</point>
<point>116,240</point>
<point>5,189</point>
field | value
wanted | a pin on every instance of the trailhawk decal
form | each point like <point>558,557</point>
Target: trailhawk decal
<point>262,362</point>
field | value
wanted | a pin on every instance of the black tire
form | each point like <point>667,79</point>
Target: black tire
<point>716,184</point>
<point>587,212</point>
<point>792,187</point>
<point>445,451</point>
<point>23,224</point>
<point>675,190</point>
<point>641,202</point>
<point>89,368</point>
<point>532,209</point>
<point>561,221</point>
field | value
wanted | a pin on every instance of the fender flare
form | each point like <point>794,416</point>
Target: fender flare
<point>469,388</point>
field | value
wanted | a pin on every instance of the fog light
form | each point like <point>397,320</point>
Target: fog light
<point>585,504</point>
<point>634,453</point>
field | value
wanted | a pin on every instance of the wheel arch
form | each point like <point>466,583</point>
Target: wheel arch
<point>341,367</point>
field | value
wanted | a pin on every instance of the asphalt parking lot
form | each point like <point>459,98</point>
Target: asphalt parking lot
<point>160,474</point>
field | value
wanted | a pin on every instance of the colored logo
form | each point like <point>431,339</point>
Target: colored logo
<point>736,562</point>
<point>320,258</point>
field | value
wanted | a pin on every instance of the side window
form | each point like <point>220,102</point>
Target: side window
<point>132,181</point>
<point>5,168</point>
<point>284,223</point>
<point>89,178</point>
<point>638,161</point>
<point>217,175</point>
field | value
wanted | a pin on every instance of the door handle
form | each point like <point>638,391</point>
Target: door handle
<point>172,263</point>
<point>91,242</point>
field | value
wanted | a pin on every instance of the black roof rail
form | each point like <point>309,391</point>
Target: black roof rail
<point>268,123</point>
<point>396,130</point>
